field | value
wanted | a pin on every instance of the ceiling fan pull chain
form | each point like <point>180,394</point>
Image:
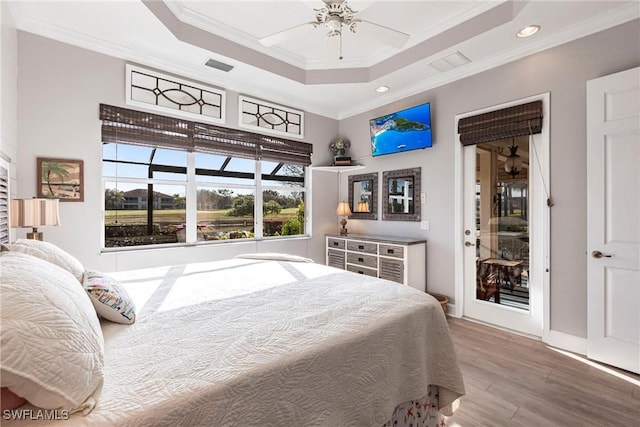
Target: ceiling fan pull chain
<point>340,57</point>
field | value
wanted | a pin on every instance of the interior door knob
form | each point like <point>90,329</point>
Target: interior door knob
<point>467,244</point>
<point>598,254</point>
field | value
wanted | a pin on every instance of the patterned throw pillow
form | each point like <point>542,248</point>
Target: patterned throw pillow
<point>109,297</point>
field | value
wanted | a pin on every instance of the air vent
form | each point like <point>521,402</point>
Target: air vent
<point>219,65</point>
<point>450,62</point>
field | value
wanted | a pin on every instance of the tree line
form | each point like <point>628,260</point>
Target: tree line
<point>237,204</point>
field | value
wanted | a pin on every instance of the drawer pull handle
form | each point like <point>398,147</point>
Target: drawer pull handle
<point>360,259</point>
<point>389,251</point>
<point>360,272</point>
<point>335,243</point>
<point>361,247</point>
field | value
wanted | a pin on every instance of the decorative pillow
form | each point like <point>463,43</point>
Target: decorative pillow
<point>51,253</point>
<point>52,344</point>
<point>109,298</point>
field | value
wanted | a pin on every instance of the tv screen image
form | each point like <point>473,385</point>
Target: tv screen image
<point>404,130</point>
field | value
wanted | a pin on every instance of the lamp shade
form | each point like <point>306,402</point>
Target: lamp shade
<point>343,209</point>
<point>34,212</point>
<point>362,207</point>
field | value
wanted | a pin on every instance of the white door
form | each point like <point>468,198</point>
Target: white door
<point>613,219</point>
<point>505,223</point>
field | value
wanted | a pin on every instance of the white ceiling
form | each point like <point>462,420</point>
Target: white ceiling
<point>180,36</point>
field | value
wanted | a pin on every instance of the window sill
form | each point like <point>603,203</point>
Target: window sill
<point>199,244</point>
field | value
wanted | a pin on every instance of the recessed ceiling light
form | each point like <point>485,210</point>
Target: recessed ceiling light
<point>528,31</point>
<point>382,89</point>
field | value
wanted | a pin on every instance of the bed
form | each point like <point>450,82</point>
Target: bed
<point>272,341</point>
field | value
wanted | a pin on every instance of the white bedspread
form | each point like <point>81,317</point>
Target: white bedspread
<point>270,343</point>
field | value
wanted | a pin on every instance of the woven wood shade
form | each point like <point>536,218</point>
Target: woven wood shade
<point>122,125</point>
<point>509,122</point>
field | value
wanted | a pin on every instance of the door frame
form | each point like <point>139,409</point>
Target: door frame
<point>541,214</point>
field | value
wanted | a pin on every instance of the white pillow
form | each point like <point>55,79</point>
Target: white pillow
<point>109,298</point>
<point>52,344</point>
<point>51,253</point>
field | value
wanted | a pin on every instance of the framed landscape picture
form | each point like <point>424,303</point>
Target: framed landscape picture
<point>61,179</point>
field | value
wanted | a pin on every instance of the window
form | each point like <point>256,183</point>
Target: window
<point>150,89</point>
<point>225,197</point>
<point>269,117</point>
<point>159,193</point>
<point>283,199</point>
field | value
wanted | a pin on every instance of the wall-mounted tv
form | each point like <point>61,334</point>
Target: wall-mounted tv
<point>404,130</point>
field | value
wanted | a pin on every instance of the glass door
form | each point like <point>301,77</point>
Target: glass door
<point>497,224</point>
<point>502,225</point>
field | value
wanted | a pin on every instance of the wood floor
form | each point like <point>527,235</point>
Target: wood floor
<point>512,380</point>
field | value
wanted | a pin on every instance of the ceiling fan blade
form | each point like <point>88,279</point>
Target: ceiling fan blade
<point>385,34</point>
<point>287,34</point>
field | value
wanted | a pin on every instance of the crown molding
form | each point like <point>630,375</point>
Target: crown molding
<point>105,47</point>
<point>602,22</point>
<point>208,24</point>
<point>473,10</point>
<point>599,23</point>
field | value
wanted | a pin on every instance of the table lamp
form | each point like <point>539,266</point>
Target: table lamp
<point>34,213</point>
<point>344,211</point>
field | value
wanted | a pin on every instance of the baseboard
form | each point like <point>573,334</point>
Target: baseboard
<point>556,339</point>
<point>565,342</point>
<point>451,310</point>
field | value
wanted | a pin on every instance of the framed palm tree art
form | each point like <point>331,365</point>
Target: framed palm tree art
<point>61,179</point>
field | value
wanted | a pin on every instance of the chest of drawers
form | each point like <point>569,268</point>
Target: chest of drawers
<point>401,260</point>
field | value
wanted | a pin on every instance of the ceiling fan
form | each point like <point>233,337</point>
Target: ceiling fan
<point>334,15</point>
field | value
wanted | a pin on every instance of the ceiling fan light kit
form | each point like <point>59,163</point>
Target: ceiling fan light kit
<point>334,14</point>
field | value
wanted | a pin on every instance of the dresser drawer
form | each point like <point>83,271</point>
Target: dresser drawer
<point>392,269</point>
<point>335,258</point>
<point>362,259</point>
<point>335,243</point>
<point>366,247</point>
<point>362,270</point>
<point>392,251</point>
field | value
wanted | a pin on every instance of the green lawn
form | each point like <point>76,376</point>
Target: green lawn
<point>177,216</point>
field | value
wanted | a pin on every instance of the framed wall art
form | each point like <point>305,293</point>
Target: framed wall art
<point>401,200</point>
<point>61,179</point>
<point>363,196</point>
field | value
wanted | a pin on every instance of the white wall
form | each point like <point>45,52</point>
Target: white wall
<point>59,92</point>
<point>562,71</point>
<point>61,86</point>
<point>8,89</point>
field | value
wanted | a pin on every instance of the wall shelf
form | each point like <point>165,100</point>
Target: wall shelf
<point>337,168</point>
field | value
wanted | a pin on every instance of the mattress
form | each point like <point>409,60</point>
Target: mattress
<point>270,343</point>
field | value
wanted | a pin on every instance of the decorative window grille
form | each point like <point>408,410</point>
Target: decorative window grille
<point>160,92</point>
<point>267,117</point>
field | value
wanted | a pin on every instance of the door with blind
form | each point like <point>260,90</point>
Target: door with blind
<point>505,214</point>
